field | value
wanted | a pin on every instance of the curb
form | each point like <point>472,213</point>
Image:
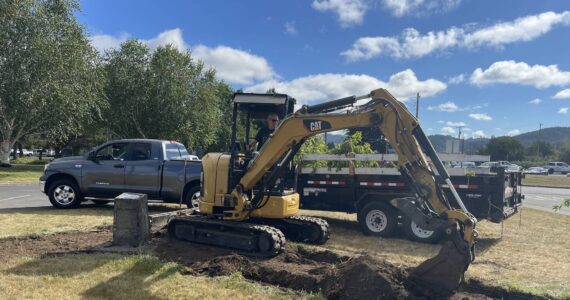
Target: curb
<point>546,186</point>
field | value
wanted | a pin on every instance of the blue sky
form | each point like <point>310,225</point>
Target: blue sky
<point>495,67</point>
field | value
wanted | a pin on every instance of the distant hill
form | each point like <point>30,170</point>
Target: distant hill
<point>553,135</point>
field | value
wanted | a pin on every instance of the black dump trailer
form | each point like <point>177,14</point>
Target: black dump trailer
<point>492,196</point>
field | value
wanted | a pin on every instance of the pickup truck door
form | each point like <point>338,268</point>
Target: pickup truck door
<point>105,174</point>
<point>143,169</point>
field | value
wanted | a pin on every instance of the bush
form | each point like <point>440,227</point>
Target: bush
<point>29,161</point>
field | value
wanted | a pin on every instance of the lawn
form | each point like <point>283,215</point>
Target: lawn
<point>549,181</point>
<point>115,276</point>
<point>530,255</point>
<point>21,174</point>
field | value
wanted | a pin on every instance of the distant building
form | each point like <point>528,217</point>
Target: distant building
<point>454,146</point>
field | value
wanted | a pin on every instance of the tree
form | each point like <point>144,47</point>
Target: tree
<point>564,152</point>
<point>503,148</point>
<point>540,148</point>
<point>164,94</point>
<point>50,77</point>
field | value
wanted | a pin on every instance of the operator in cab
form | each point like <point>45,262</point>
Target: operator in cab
<point>271,121</point>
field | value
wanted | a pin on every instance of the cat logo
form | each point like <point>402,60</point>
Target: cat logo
<point>316,125</point>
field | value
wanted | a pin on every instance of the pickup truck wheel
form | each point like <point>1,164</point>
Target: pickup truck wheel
<point>550,171</point>
<point>64,193</point>
<point>417,234</point>
<point>378,219</point>
<point>193,197</point>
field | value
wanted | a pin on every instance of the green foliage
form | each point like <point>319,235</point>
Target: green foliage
<point>51,81</point>
<point>540,148</point>
<point>165,94</point>
<point>352,144</point>
<point>30,161</point>
<point>565,203</point>
<point>564,152</point>
<point>503,148</point>
<point>313,145</point>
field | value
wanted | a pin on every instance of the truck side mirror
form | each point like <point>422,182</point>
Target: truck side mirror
<point>91,156</point>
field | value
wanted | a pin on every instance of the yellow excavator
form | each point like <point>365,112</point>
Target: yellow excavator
<point>247,203</point>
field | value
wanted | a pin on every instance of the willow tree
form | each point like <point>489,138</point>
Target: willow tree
<point>50,78</point>
<point>163,94</point>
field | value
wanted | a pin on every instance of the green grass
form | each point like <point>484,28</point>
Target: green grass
<point>549,181</point>
<point>114,276</point>
<point>21,174</point>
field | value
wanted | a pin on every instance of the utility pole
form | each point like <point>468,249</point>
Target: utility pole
<point>460,148</point>
<point>417,105</point>
<point>538,143</point>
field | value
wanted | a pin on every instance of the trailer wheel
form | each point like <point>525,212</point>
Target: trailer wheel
<point>378,219</point>
<point>418,234</point>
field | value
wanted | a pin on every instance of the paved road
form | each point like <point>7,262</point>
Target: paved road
<point>544,198</point>
<point>28,195</point>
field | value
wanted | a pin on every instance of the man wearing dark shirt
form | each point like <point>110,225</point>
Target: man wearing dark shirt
<point>264,132</point>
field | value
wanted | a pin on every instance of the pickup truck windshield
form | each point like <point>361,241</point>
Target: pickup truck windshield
<point>176,152</point>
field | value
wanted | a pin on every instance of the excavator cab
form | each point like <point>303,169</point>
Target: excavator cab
<point>250,111</point>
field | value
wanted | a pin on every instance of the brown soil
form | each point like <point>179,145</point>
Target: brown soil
<point>57,243</point>
<point>299,268</point>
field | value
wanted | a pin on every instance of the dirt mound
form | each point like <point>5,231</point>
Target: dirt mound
<point>56,243</point>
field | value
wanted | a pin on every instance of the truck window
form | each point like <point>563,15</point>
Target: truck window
<point>142,151</point>
<point>116,151</point>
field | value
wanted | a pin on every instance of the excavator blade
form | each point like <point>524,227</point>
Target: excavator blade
<point>440,275</point>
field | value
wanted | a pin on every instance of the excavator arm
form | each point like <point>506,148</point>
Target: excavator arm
<point>429,207</point>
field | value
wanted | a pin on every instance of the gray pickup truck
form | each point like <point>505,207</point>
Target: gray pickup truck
<point>161,169</point>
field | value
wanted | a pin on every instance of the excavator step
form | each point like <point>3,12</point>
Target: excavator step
<point>246,238</point>
<point>302,229</point>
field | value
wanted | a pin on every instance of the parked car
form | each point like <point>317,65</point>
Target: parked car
<point>161,169</point>
<point>536,171</point>
<point>465,164</point>
<point>558,166</point>
<point>509,167</point>
<point>25,152</point>
<point>45,152</point>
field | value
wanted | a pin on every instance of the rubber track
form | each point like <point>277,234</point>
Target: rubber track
<point>276,235</point>
<point>322,224</point>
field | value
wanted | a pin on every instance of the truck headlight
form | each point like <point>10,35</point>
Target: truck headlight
<point>45,167</point>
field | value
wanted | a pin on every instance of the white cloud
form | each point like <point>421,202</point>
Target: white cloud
<point>447,107</point>
<point>513,132</point>
<point>447,130</point>
<point>563,94</point>
<point>290,28</point>
<point>313,88</point>
<point>522,29</point>
<point>456,79</point>
<point>401,8</point>
<point>513,72</point>
<point>480,117</point>
<point>455,124</point>
<point>412,44</point>
<point>563,110</point>
<point>535,101</point>
<point>479,134</point>
<point>103,42</point>
<point>349,12</point>
<point>440,122</point>
<point>232,65</point>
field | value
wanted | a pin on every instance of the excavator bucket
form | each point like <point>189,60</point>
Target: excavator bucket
<point>440,275</point>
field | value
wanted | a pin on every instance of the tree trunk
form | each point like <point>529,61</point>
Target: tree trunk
<point>6,151</point>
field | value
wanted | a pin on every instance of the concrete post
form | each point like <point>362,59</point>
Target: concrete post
<point>130,224</point>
